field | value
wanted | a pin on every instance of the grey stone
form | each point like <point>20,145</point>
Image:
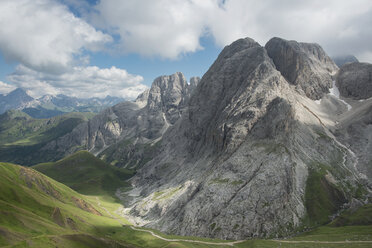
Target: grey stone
<point>235,164</point>
<point>303,64</point>
<point>124,133</point>
<point>354,80</point>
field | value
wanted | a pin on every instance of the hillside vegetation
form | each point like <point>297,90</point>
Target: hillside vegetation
<point>86,174</point>
<point>36,211</point>
<point>22,137</point>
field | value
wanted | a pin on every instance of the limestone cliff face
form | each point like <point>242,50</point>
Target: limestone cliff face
<point>305,65</point>
<point>236,164</point>
<point>354,80</point>
<point>119,134</point>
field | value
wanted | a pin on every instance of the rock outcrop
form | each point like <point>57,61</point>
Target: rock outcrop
<point>126,134</point>
<point>354,80</point>
<point>305,65</point>
<point>237,163</point>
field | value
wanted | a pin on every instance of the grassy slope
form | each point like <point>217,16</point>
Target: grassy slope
<point>21,137</point>
<point>86,174</point>
<point>40,212</point>
<point>322,199</point>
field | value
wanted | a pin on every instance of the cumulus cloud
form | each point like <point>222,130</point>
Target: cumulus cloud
<point>339,26</point>
<point>83,82</point>
<point>165,28</point>
<point>6,88</point>
<point>170,28</point>
<point>44,35</point>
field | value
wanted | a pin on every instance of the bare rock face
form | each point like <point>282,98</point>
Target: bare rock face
<point>125,133</point>
<point>355,130</point>
<point>303,64</point>
<point>237,163</point>
<point>354,80</point>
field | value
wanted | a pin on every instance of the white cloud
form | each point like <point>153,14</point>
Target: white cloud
<point>6,88</point>
<point>84,82</point>
<point>45,35</point>
<point>165,28</point>
<point>169,28</point>
<point>339,26</point>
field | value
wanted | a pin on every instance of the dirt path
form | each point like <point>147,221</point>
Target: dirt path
<point>226,243</point>
<point>323,242</point>
<point>165,239</point>
<point>188,240</point>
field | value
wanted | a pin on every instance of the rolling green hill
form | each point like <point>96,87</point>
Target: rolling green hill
<point>86,174</point>
<point>22,137</point>
<point>36,211</point>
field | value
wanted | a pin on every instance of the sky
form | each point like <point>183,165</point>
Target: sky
<point>95,48</point>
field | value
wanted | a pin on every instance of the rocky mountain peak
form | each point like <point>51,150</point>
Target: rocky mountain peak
<point>233,86</point>
<point>236,163</point>
<point>344,59</point>
<point>237,46</point>
<point>17,98</point>
<point>354,80</point>
<point>305,65</point>
<point>117,132</point>
<point>170,94</point>
<point>20,94</point>
<point>167,91</point>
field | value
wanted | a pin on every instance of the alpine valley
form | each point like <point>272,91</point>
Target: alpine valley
<point>270,148</point>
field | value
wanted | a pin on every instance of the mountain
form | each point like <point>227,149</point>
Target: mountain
<point>86,174</point>
<point>48,106</point>
<point>302,64</point>
<point>18,98</point>
<point>73,104</point>
<point>255,155</point>
<point>354,80</point>
<point>22,137</point>
<point>341,60</point>
<point>129,133</point>
<point>355,84</point>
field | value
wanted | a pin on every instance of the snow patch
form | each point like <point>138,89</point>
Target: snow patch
<point>336,93</point>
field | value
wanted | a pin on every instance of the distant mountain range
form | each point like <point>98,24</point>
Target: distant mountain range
<point>48,105</point>
<point>344,59</point>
